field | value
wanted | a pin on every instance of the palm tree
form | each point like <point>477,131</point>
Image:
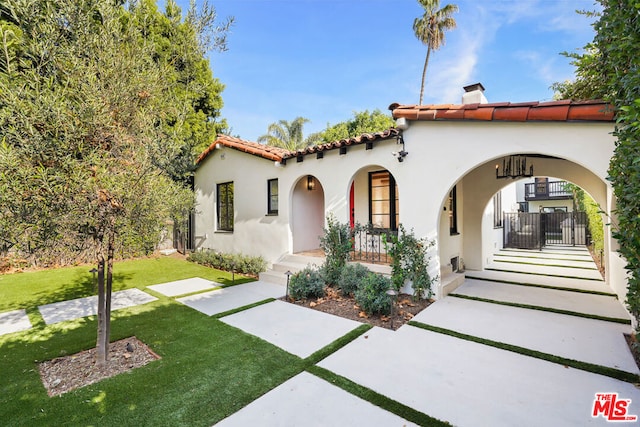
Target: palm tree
<point>287,135</point>
<point>430,28</point>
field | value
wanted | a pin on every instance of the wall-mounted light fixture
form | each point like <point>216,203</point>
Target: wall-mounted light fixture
<point>402,153</point>
<point>311,184</point>
<point>514,167</point>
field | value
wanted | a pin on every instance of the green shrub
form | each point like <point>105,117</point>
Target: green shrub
<point>351,278</point>
<point>410,262</point>
<point>307,283</point>
<point>336,243</point>
<point>372,296</point>
<point>237,262</point>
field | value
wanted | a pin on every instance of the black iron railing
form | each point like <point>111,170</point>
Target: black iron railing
<point>369,244</point>
<point>547,190</point>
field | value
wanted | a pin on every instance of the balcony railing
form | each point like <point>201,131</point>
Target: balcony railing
<point>547,190</point>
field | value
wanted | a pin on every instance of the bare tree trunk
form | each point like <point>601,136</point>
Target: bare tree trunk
<point>110,252</point>
<point>424,74</point>
<point>101,348</point>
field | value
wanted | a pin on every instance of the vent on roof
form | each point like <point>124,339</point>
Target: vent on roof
<point>474,94</point>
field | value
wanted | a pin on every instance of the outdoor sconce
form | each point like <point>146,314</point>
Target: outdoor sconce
<point>514,167</point>
<point>402,153</point>
<point>310,183</point>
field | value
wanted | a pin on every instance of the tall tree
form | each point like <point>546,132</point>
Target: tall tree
<point>287,135</point>
<point>430,28</point>
<point>88,134</point>
<point>362,122</point>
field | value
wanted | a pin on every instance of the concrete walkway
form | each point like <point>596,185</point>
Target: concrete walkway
<point>298,330</point>
<point>14,321</point>
<point>470,384</point>
<point>88,306</point>
<point>221,300</point>
<point>306,400</point>
<point>459,381</point>
<point>183,287</point>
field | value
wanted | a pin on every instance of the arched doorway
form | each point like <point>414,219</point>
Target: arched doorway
<point>307,214</point>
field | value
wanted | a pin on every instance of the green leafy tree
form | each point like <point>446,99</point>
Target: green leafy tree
<point>430,28</point>
<point>87,138</point>
<point>181,44</point>
<point>610,69</point>
<point>361,123</point>
<point>287,135</point>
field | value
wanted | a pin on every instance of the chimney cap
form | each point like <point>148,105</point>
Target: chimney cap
<point>475,86</point>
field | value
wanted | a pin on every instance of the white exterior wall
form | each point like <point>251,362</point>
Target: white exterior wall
<point>255,233</point>
<point>441,154</point>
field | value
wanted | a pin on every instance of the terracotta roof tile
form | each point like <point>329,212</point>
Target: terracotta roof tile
<point>262,150</point>
<point>280,154</point>
<point>565,110</point>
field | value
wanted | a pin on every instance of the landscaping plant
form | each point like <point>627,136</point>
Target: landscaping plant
<point>336,243</point>
<point>307,283</point>
<point>351,278</point>
<point>372,295</point>
<point>409,262</point>
<point>230,262</point>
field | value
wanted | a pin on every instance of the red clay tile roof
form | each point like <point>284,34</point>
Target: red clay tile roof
<point>262,150</point>
<point>280,154</point>
<point>594,110</point>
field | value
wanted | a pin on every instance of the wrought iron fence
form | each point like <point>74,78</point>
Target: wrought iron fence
<point>369,244</point>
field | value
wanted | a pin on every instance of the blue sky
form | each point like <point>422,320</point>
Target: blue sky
<point>325,59</point>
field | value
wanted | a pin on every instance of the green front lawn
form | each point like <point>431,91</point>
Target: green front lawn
<point>208,370</point>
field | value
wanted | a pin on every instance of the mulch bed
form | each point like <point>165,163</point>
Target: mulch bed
<point>337,304</point>
<point>67,373</point>
<point>634,347</point>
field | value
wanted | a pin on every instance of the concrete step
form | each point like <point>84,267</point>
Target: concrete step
<point>450,282</point>
<point>274,277</point>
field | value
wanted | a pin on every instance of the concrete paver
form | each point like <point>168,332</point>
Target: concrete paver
<point>506,261</point>
<point>221,300</point>
<point>547,270</point>
<point>561,282</point>
<point>546,254</point>
<point>88,306</point>
<point>298,330</point>
<point>600,305</point>
<point>185,286</point>
<point>306,400</point>
<point>470,384</point>
<point>586,340</point>
<point>14,321</point>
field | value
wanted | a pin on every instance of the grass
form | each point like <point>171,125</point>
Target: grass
<point>208,369</point>
<point>31,289</point>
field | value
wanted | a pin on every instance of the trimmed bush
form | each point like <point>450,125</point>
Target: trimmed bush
<point>307,283</point>
<point>372,296</point>
<point>351,278</point>
<point>237,262</point>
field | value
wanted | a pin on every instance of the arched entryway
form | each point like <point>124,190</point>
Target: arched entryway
<point>307,214</point>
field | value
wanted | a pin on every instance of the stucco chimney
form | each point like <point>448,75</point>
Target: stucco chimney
<point>474,94</point>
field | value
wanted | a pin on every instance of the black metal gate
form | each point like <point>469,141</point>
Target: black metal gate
<point>533,230</point>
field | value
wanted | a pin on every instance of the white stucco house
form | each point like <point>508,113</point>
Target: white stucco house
<point>435,173</point>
